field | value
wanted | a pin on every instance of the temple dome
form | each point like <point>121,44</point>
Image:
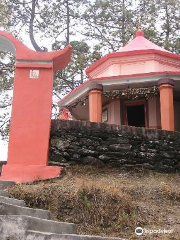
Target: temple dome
<point>139,56</point>
<point>140,43</point>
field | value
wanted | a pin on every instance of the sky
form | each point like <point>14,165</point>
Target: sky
<point>5,97</point>
<point>3,150</point>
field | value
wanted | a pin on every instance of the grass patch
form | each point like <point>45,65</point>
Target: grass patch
<point>109,202</point>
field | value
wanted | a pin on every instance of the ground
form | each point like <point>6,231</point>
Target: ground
<point>109,201</point>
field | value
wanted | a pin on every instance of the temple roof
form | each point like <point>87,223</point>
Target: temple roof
<point>138,46</point>
<point>140,43</point>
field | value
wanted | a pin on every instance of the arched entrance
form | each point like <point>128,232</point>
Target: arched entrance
<point>31,110</point>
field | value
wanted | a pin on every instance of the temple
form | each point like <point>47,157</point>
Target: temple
<point>31,111</point>
<point>137,86</point>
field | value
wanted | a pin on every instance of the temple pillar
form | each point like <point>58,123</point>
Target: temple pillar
<point>95,103</point>
<point>115,111</point>
<point>166,103</point>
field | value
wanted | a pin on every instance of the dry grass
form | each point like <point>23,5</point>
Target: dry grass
<point>109,202</point>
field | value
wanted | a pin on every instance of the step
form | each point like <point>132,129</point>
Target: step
<point>21,224</point>
<point>4,193</point>
<point>32,235</point>
<point>9,209</point>
<point>12,201</point>
<point>5,184</point>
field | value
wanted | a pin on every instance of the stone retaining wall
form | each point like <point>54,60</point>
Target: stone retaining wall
<point>118,146</point>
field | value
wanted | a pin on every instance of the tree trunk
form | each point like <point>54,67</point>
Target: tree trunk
<point>167,28</point>
<point>31,27</point>
<point>68,23</point>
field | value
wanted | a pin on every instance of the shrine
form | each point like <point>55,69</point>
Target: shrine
<point>31,111</point>
<point>139,85</point>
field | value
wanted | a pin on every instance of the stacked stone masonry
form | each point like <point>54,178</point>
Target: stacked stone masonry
<point>102,144</point>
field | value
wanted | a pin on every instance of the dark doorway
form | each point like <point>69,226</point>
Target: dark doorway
<point>136,115</point>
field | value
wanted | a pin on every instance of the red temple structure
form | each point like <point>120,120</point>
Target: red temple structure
<point>31,111</point>
<point>138,86</point>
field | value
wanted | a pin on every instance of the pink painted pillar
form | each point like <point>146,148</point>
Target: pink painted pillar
<point>95,103</point>
<point>31,112</point>
<point>166,103</point>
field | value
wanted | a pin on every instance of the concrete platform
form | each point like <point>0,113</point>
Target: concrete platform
<point>4,193</point>
<point>31,235</point>
<point>12,201</point>
<point>28,173</point>
<point>17,224</point>
<point>6,184</point>
<point>9,209</point>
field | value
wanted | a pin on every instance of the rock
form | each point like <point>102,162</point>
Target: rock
<point>116,154</point>
<point>122,140</point>
<point>151,155</point>
<point>158,157</point>
<point>178,166</point>
<point>128,166</point>
<point>152,151</point>
<point>160,167</point>
<point>137,160</point>
<point>167,155</point>
<point>143,149</point>
<point>73,147</point>
<point>141,155</point>
<point>86,142</point>
<point>122,161</point>
<point>66,164</point>
<point>71,138</point>
<point>57,158</point>
<point>102,148</point>
<point>120,147</point>
<point>91,148</point>
<point>147,166</point>
<point>76,156</point>
<point>104,157</point>
<point>86,152</point>
<point>59,144</point>
<point>92,161</point>
<point>66,155</point>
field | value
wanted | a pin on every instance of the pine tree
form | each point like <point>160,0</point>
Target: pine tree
<point>74,75</point>
<point>110,22</point>
<point>169,18</point>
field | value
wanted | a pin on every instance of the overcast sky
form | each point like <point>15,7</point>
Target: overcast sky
<point>3,150</point>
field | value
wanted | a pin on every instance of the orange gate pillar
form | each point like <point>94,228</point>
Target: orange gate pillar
<point>166,103</point>
<point>31,111</point>
<point>95,103</point>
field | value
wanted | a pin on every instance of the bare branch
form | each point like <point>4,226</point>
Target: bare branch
<point>5,105</point>
<point>31,27</point>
